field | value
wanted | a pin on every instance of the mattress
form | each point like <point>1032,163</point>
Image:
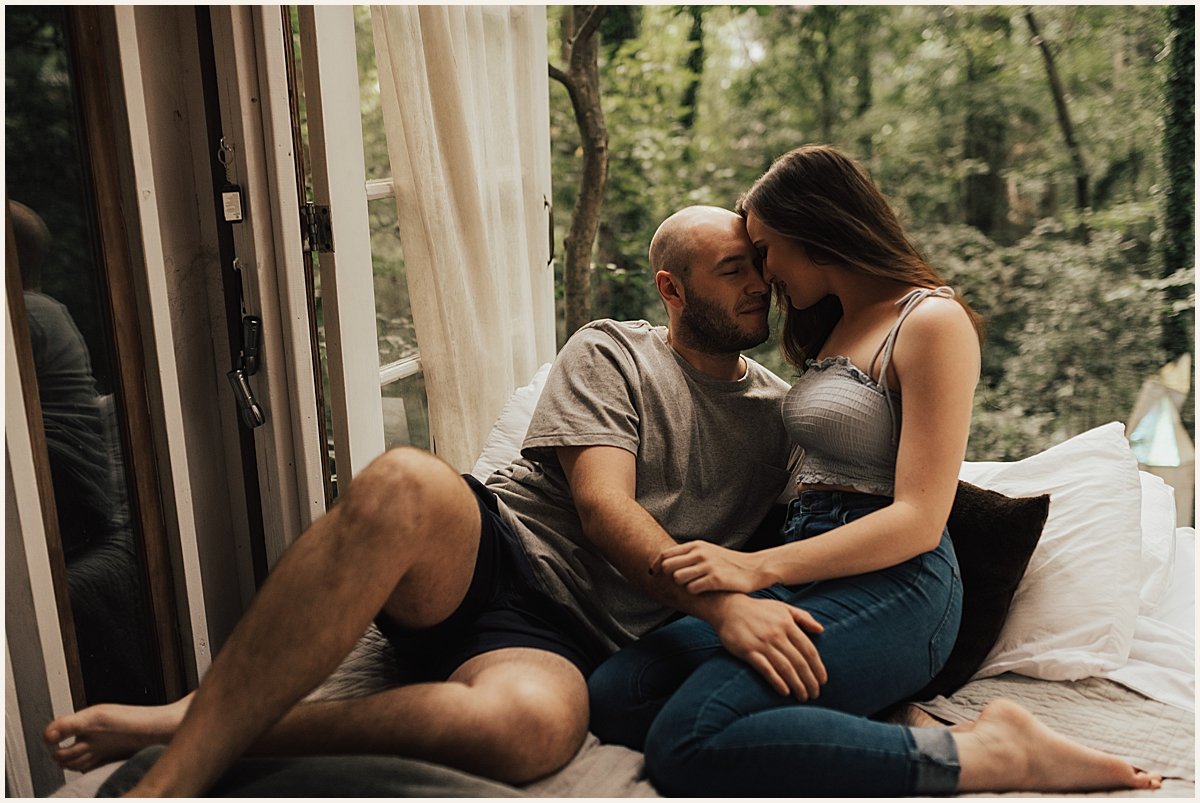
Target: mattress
<point>1098,712</point>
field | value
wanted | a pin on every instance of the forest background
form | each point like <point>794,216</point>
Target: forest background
<point>1049,177</point>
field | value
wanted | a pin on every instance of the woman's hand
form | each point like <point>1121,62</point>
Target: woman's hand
<point>700,566</point>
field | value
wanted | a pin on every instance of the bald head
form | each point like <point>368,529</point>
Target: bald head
<point>674,246</point>
<point>708,277</point>
<point>32,240</point>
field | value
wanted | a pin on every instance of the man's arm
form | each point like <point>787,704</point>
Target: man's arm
<point>767,634</point>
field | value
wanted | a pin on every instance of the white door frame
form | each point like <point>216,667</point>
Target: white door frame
<point>36,660</point>
<point>331,94</point>
<point>256,119</point>
<point>256,116</point>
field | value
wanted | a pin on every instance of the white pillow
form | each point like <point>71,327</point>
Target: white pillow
<point>1074,612</point>
<point>1158,539</point>
<point>504,441</point>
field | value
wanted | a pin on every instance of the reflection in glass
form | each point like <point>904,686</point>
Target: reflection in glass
<point>56,239</point>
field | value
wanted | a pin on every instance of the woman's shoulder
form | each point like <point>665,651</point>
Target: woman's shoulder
<point>937,329</point>
<point>937,313</point>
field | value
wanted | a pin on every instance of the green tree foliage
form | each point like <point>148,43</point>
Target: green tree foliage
<point>951,110</point>
<point>647,177</point>
<point>1072,330</point>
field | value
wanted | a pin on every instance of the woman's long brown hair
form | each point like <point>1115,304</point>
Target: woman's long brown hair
<point>824,200</point>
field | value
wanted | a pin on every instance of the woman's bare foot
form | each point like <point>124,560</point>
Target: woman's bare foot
<point>1007,749</point>
<point>107,732</point>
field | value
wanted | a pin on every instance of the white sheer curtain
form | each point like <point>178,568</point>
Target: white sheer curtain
<point>466,107</point>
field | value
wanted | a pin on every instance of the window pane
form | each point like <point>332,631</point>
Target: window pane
<point>393,312</point>
<point>374,140</point>
<point>406,413</point>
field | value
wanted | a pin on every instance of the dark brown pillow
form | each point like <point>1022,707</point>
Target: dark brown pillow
<point>994,536</point>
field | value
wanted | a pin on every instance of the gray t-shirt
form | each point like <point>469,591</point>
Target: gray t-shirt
<point>712,457</point>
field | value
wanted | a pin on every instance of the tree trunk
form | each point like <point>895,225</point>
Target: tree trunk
<point>985,140</point>
<point>582,80</point>
<point>1082,200</point>
<point>695,66</point>
<point>1179,148</point>
<point>826,20</point>
<point>864,22</point>
<point>985,123</point>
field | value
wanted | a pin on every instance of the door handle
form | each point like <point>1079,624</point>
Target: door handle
<point>249,409</point>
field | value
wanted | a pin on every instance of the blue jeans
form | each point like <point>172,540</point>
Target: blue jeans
<point>710,725</point>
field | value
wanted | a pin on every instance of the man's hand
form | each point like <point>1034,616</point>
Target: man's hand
<point>767,634</point>
<point>700,566</point>
<point>771,636</point>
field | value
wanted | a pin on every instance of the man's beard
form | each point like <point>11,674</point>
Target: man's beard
<point>706,327</point>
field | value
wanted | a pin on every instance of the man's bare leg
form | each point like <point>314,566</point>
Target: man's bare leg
<point>399,536</point>
<point>514,715</point>
<point>1007,749</point>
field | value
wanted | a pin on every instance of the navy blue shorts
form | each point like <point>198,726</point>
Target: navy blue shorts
<point>504,607</point>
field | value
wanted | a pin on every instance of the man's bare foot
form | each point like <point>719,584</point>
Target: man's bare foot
<point>1007,749</point>
<point>102,733</point>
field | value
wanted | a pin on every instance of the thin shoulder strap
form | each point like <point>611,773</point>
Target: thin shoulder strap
<point>908,302</point>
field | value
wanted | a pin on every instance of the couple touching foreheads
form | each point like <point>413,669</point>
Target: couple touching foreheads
<point>557,587</point>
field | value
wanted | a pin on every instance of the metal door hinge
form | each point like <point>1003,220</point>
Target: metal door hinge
<point>316,228</point>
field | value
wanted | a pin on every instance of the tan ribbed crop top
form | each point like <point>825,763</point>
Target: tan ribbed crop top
<point>847,423</point>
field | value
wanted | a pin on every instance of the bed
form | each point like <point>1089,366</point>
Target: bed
<point>1098,637</point>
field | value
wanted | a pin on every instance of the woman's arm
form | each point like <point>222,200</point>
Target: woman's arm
<point>936,360</point>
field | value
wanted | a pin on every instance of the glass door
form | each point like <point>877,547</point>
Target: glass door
<point>71,298</point>
<point>371,367</point>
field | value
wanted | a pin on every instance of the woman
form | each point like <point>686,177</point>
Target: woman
<point>866,550</point>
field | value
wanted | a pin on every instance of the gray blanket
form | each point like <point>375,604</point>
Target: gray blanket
<point>1097,712</point>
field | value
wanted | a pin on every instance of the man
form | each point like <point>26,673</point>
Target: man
<point>103,576</point>
<point>509,594</point>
